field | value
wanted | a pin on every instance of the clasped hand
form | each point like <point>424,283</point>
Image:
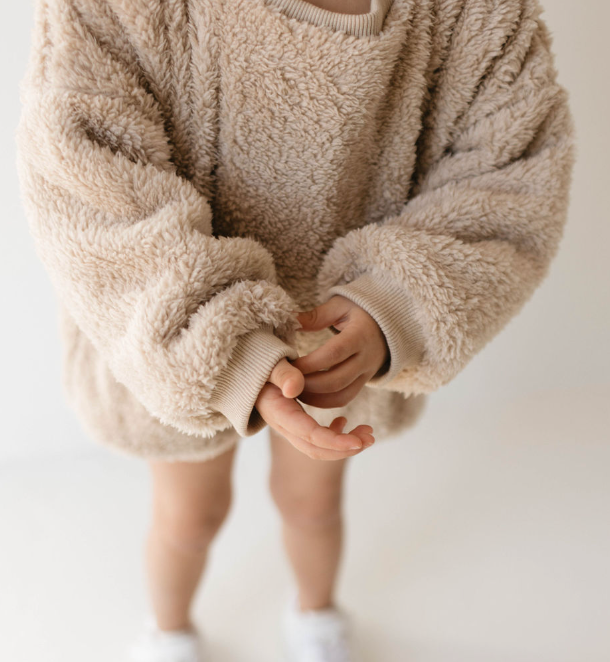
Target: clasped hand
<point>330,376</point>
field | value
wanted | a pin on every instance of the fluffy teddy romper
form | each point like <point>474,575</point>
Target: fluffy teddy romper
<point>195,171</point>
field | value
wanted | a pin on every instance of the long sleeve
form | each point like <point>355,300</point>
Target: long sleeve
<point>190,322</point>
<point>487,209</point>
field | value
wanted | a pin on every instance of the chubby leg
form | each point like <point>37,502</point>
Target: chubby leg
<point>190,502</point>
<point>308,495</point>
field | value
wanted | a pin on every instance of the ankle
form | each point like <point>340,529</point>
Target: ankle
<point>304,604</point>
<point>174,625</point>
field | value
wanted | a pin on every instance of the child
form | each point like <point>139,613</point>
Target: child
<point>196,172</point>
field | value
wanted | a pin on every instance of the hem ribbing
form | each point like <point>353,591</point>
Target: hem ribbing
<point>251,362</point>
<point>359,25</point>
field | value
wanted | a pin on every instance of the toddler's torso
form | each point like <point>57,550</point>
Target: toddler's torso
<point>295,131</point>
<point>300,137</point>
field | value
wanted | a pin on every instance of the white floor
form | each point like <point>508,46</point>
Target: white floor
<point>482,536</point>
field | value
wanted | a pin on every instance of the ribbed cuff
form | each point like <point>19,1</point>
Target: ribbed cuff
<point>359,25</point>
<point>239,384</point>
<point>394,310</point>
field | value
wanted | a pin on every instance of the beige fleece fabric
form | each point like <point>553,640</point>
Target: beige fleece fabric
<point>193,173</point>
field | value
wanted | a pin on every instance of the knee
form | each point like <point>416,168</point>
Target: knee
<point>309,507</point>
<point>191,530</point>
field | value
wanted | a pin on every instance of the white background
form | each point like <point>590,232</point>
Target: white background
<point>482,536</point>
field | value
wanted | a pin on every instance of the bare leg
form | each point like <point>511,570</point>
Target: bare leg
<point>190,503</point>
<point>308,495</point>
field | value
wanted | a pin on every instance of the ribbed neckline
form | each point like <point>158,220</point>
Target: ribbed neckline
<point>360,25</point>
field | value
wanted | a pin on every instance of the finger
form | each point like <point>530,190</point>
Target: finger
<point>337,424</point>
<point>319,435</point>
<point>314,452</point>
<point>317,453</point>
<point>335,350</point>
<point>300,424</point>
<point>288,378</point>
<point>324,315</point>
<point>336,399</point>
<point>290,415</point>
<point>365,432</point>
<point>337,378</point>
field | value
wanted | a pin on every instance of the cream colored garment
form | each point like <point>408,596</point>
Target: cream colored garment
<point>361,24</point>
<point>194,172</point>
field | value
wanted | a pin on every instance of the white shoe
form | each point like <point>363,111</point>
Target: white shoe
<point>317,635</point>
<point>155,645</point>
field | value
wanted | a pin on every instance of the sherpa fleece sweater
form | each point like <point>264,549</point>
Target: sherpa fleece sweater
<point>195,171</point>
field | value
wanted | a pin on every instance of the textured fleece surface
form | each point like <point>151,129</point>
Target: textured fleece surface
<point>195,172</point>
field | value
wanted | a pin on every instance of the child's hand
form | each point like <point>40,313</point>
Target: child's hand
<point>277,406</point>
<point>336,371</point>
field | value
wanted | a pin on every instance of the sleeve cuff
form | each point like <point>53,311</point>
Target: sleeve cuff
<point>250,364</point>
<point>395,311</point>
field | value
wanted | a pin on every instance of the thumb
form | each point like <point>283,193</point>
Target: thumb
<point>288,378</point>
